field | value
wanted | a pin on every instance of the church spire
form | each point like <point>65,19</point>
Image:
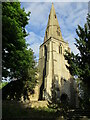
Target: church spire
<point>53,29</point>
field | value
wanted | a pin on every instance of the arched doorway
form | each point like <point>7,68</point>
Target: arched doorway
<point>64,98</point>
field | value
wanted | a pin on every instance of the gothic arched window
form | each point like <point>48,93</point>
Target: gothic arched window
<point>60,49</point>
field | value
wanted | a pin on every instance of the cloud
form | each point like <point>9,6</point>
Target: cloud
<point>69,16</point>
<point>35,48</point>
<point>39,16</point>
<point>34,41</point>
<point>33,38</point>
<point>71,44</point>
<point>73,48</point>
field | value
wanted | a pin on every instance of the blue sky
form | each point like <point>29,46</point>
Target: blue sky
<point>69,15</point>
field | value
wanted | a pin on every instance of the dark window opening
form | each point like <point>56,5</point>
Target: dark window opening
<point>60,49</point>
<point>46,34</point>
<point>55,16</point>
<point>64,80</point>
<point>45,48</point>
<point>49,16</point>
<point>57,89</point>
<point>64,97</point>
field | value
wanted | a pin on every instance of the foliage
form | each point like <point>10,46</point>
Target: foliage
<point>18,62</point>
<point>59,103</point>
<point>14,20</point>
<point>2,84</point>
<point>84,96</point>
<point>79,64</point>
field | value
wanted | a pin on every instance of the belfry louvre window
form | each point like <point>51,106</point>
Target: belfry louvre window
<point>58,33</point>
<point>60,49</point>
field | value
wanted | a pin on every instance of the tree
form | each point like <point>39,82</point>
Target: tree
<point>17,60</point>
<point>58,102</point>
<point>14,20</point>
<point>79,65</point>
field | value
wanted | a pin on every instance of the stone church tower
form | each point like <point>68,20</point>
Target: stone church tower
<point>52,64</point>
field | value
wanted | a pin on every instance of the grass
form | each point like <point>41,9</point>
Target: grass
<point>15,110</point>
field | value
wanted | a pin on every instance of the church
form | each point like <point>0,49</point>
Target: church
<point>53,73</point>
<point>54,78</point>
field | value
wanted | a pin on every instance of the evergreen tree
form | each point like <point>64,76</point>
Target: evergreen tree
<point>79,64</point>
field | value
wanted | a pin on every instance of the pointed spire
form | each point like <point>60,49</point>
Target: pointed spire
<point>52,9</point>
<point>53,29</point>
<point>52,17</point>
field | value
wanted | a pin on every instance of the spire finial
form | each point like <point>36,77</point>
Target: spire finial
<point>52,3</point>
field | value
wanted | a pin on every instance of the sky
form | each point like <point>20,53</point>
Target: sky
<point>69,15</point>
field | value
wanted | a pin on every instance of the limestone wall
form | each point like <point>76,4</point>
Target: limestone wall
<point>55,65</point>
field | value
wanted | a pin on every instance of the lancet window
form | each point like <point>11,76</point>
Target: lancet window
<point>60,49</point>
